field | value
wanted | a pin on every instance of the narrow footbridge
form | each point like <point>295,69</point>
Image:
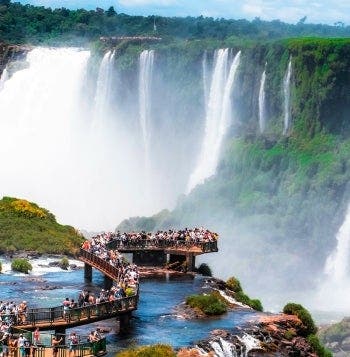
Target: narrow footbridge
<point>55,318</point>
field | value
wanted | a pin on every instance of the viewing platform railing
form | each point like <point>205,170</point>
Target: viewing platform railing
<point>144,244</point>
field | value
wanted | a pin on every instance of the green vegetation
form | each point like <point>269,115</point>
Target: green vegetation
<point>204,269</point>
<point>26,226</point>
<point>234,285</point>
<point>33,24</point>
<point>0,267</point>
<point>148,351</point>
<point>310,328</point>
<point>211,304</point>
<point>64,263</point>
<point>320,350</point>
<point>21,265</point>
<point>304,316</point>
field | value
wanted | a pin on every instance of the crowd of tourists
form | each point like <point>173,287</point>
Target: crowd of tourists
<point>12,313</point>
<point>128,275</point>
<point>170,237</point>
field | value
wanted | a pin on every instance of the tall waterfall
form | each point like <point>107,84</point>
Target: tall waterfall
<point>218,117</point>
<point>262,109</point>
<point>145,99</point>
<point>286,91</point>
<point>104,86</point>
<point>3,78</point>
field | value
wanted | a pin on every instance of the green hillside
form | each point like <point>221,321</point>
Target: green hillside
<point>26,226</point>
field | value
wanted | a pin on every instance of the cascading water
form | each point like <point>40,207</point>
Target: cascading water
<point>218,117</point>
<point>51,154</point>
<point>286,92</point>
<point>145,99</point>
<point>262,109</point>
<point>205,77</point>
<point>3,78</point>
<point>334,291</point>
<point>104,87</point>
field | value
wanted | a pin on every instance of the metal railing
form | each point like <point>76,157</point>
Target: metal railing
<point>49,316</point>
<point>144,244</point>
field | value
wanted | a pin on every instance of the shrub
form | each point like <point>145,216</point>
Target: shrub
<point>204,269</point>
<point>303,315</point>
<point>256,304</point>
<point>64,263</point>
<point>21,265</point>
<point>234,285</point>
<point>149,351</point>
<point>246,300</point>
<point>208,304</point>
<point>320,350</point>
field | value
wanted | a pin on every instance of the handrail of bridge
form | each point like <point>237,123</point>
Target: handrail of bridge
<point>101,264</point>
<point>206,247</point>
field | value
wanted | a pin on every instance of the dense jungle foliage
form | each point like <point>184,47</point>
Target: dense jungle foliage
<point>26,226</point>
<point>32,24</point>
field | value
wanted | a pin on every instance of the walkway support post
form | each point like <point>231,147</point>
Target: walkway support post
<point>87,272</point>
<point>190,261</point>
<point>107,282</point>
<point>124,323</point>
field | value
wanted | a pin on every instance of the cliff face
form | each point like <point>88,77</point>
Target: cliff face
<point>11,53</point>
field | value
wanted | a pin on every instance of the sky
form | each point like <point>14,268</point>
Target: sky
<point>291,11</point>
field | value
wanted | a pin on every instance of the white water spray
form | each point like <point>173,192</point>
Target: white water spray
<point>286,91</point>
<point>145,99</point>
<point>218,117</point>
<point>4,77</point>
<point>262,109</point>
<point>334,291</point>
<point>51,156</point>
<point>103,89</point>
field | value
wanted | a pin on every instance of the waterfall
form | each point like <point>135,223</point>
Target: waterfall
<point>286,91</point>
<point>218,117</point>
<point>103,89</point>
<point>205,77</point>
<point>262,118</point>
<point>145,98</point>
<point>334,289</point>
<point>4,77</point>
<point>337,264</point>
<point>89,179</point>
